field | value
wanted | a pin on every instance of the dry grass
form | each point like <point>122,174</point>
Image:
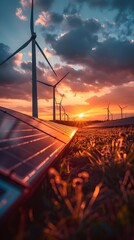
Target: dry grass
<point>90,195</point>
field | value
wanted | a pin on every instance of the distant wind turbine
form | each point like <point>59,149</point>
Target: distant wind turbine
<point>66,117</point>
<point>34,78</point>
<point>121,108</point>
<point>108,112</point>
<point>54,93</point>
<point>60,106</point>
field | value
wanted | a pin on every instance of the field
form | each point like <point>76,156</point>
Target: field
<point>89,195</point>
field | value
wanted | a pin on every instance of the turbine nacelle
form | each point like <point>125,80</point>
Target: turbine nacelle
<point>34,35</point>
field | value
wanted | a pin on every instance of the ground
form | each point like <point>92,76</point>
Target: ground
<point>89,195</point>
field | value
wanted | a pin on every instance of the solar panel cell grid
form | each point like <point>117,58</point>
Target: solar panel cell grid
<point>28,145</point>
<point>61,132</point>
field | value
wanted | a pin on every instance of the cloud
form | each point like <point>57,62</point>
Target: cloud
<point>120,5</point>
<point>48,18</point>
<point>118,96</point>
<point>8,74</point>
<point>75,21</point>
<point>16,83</point>
<point>48,53</point>
<point>43,19</point>
<point>114,55</point>
<point>25,3</point>
<point>71,8</point>
<point>19,14</point>
<point>18,58</point>
<point>73,45</point>
<point>45,5</point>
<point>82,45</point>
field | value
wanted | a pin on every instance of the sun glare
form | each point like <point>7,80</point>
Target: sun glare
<point>81,115</point>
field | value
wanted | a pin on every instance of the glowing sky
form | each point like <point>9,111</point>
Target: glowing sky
<point>93,40</point>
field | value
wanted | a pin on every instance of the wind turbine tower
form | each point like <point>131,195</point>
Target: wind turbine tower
<point>108,112</point>
<point>66,117</point>
<point>121,108</point>
<point>60,107</point>
<point>34,77</point>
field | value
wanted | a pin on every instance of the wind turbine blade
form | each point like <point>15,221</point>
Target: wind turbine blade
<point>61,79</point>
<point>18,50</point>
<point>46,58</point>
<point>31,20</point>
<point>47,84</point>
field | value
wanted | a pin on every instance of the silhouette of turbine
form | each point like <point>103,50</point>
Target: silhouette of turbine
<point>121,108</point>
<point>66,117</point>
<point>60,107</point>
<point>108,112</point>
<point>54,93</point>
<point>34,78</point>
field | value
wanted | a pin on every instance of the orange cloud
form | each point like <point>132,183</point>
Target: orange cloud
<point>47,53</point>
<point>19,14</point>
<point>43,19</point>
<point>29,54</point>
<point>24,3</point>
<point>18,58</point>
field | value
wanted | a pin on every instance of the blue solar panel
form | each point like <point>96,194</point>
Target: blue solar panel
<point>28,145</point>
<point>55,130</point>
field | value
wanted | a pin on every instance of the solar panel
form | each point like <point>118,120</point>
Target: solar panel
<point>67,130</point>
<point>29,145</point>
<point>44,126</point>
<point>27,148</point>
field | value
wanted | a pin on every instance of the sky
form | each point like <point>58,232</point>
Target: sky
<point>93,40</point>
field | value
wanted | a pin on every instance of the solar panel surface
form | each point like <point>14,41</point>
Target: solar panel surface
<point>28,145</point>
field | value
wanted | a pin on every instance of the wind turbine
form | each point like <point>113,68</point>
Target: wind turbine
<point>108,112</point>
<point>60,106</point>
<point>34,44</point>
<point>54,93</point>
<point>121,108</point>
<point>66,117</point>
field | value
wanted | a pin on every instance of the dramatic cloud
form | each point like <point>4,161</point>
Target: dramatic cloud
<point>118,96</point>
<point>18,58</point>
<point>49,18</point>
<point>45,5</point>
<point>19,14</point>
<point>75,21</point>
<point>96,49</point>
<point>8,74</point>
<point>114,55</point>
<point>73,45</point>
<point>121,5</point>
<point>71,8</point>
<point>16,83</point>
<point>81,44</point>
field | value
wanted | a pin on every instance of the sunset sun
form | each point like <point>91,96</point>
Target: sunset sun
<point>81,115</point>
